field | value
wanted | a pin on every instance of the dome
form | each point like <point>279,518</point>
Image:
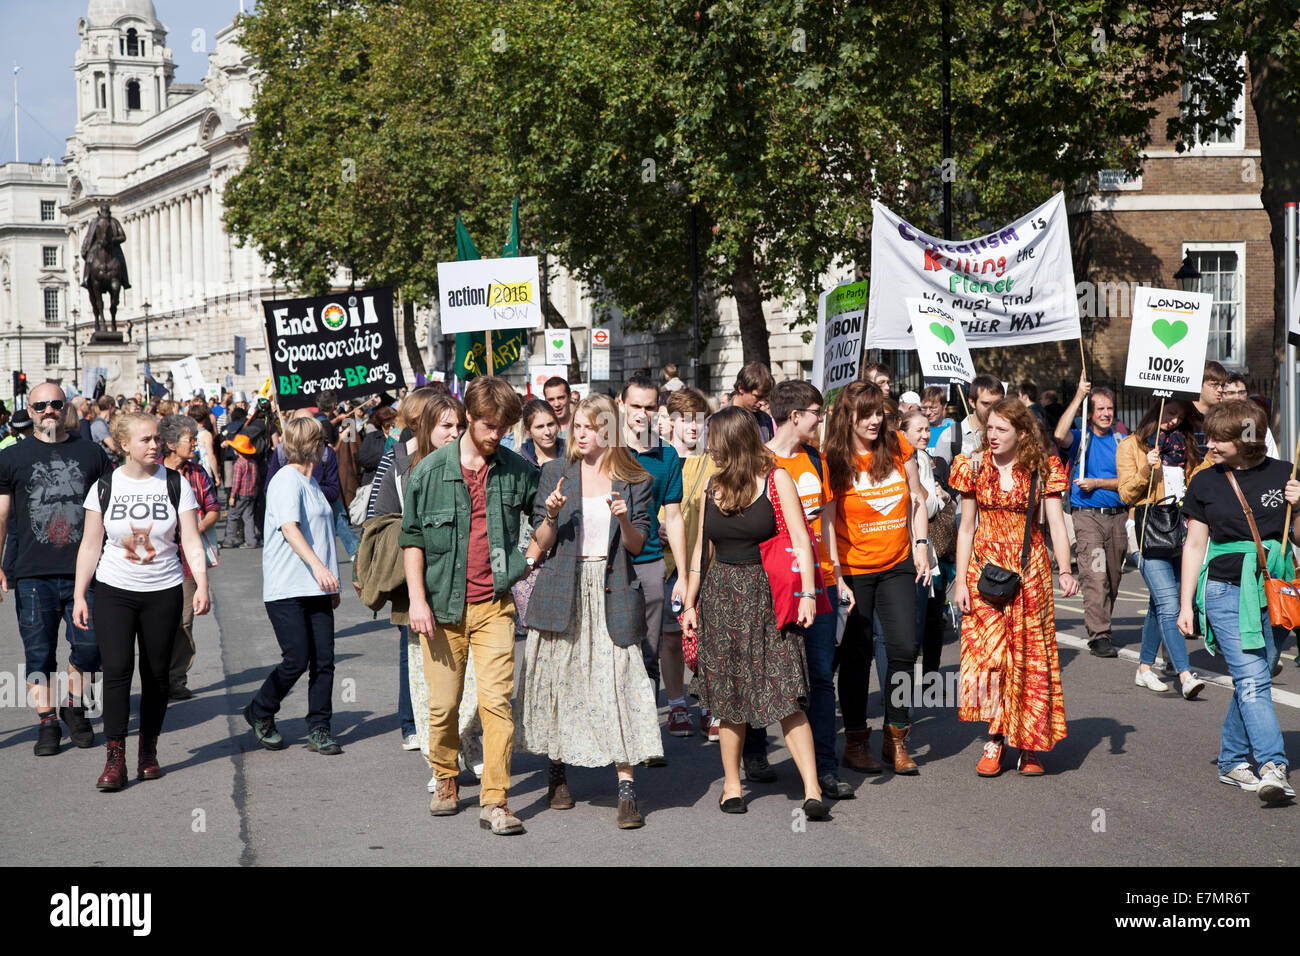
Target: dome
<point>104,13</point>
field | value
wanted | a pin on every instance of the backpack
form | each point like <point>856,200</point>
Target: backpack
<point>105,488</point>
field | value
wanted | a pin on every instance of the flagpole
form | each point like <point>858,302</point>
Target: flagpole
<point>16,153</point>
<point>1160,418</point>
<point>1083,410</point>
<point>487,340</point>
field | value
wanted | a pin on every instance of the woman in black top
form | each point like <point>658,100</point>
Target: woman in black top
<point>750,671</point>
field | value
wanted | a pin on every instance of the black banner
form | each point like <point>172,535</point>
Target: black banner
<point>344,342</point>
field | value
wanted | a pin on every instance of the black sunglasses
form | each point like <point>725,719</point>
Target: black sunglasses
<point>54,403</point>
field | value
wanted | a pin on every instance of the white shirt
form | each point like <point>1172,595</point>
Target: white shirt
<point>140,553</point>
<point>595,527</point>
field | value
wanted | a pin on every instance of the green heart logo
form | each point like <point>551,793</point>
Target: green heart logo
<point>558,343</point>
<point>943,332</point>
<point>1169,332</point>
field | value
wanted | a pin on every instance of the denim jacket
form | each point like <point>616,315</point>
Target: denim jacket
<point>436,517</point>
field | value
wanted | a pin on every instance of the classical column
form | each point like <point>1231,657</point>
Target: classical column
<point>200,272</point>
<point>187,263</point>
<point>146,254</point>
<point>165,251</point>
<point>155,255</point>
<point>174,245</point>
<point>211,250</point>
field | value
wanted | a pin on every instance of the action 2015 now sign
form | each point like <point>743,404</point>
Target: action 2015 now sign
<point>1014,286</point>
<point>1167,340</point>
<point>482,295</point>
<point>345,343</point>
<point>941,344</point>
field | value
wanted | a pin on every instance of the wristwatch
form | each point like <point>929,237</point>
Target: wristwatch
<point>530,560</point>
<point>922,541</point>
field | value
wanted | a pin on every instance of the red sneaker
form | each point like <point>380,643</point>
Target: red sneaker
<point>1029,765</point>
<point>715,727</point>
<point>990,764</point>
<point>679,722</point>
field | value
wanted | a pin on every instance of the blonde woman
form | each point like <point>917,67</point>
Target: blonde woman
<point>585,696</point>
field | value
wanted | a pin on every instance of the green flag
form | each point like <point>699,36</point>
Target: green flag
<point>471,348</point>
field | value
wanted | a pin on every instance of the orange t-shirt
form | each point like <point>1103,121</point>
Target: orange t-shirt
<point>871,525</point>
<point>814,493</point>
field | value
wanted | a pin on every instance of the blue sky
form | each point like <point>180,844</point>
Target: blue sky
<point>41,37</point>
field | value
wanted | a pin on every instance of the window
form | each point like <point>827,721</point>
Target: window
<point>49,256</point>
<point>47,210</point>
<point>132,94</point>
<point>101,92</point>
<point>132,43</point>
<point>1199,46</point>
<point>1223,276</point>
<point>51,353</point>
<point>51,306</point>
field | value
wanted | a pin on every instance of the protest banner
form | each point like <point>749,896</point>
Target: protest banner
<point>90,376</point>
<point>345,343</point>
<point>541,374</point>
<point>941,344</point>
<point>484,295</point>
<point>187,379</point>
<point>1167,340</point>
<point>1014,286</point>
<point>559,349</point>
<point>837,346</point>
<point>241,355</point>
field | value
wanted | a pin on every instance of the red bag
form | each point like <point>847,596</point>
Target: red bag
<point>690,647</point>
<point>782,565</point>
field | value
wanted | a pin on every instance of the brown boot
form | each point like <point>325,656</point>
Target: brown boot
<point>114,775</point>
<point>894,751</point>
<point>147,767</point>
<point>857,752</point>
<point>446,798</point>
<point>558,796</point>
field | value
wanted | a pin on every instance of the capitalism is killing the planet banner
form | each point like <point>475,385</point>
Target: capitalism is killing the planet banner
<point>1014,286</point>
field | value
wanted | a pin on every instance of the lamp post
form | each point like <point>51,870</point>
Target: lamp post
<point>76,361</point>
<point>1188,276</point>
<point>20,363</point>
<point>147,358</point>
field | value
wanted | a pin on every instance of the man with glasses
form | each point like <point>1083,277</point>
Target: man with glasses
<point>460,531</point>
<point>44,483</point>
<point>1213,381</point>
<point>1236,388</point>
<point>934,403</point>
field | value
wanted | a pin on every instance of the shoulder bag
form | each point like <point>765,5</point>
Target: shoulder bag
<point>1283,596</point>
<point>997,585</point>
<point>1162,533</point>
<point>782,566</point>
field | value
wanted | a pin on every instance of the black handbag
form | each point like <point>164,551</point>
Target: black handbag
<point>997,585</point>
<point>1161,533</point>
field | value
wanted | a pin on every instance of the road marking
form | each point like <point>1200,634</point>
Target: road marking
<point>1284,697</point>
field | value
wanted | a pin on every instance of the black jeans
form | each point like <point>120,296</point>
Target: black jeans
<point>304,629</point>
<point>120,618</point>
<point>892,595</point>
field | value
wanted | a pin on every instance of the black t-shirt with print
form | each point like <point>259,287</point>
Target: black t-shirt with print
<point>48,485</point>
<point>1210,499</point>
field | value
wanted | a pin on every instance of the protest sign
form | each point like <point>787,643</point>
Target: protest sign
<point>345,343</point>
<point>541,374</point>
<point>241,355</point>
<point>941,344</point>
<point>837,347</point>
<point>479,295</point>
<point>187,379</point>
<point>1014,286</point>
<point>90,376</point>
<point>558,349</point>
<point>1167,340</point>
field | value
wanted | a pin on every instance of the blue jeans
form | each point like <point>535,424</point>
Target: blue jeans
<point>1162,578</point>
<point>343,529</point>
<point>405,712</point>
<point>1250,725</point>
<point>819,642</point>
<point>44,603</point>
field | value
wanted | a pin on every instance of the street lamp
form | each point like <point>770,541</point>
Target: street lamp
<point>1188,276</point>
<point>76,362</point>
<point>147,358</point>
<point>20,362</point>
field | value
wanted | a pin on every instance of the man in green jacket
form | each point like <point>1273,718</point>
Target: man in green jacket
<point>460,530</point>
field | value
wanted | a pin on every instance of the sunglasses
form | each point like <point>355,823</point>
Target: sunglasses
<point>55,404</point>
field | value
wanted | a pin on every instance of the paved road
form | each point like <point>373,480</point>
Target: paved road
<point>1133,784</point>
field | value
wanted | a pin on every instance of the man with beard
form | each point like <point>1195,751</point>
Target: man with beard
<point>43,482</point>
<point>460,530</point>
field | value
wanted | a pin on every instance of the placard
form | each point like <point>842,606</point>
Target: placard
<point>345,343</point>
<point>1014,286</point>
<point>187,379</point>
<point>1167,340</point>
<point>941,343</point>
<point>478,295</point>
<point>837,346</point>
<point>541,374</point>
<point>558,348</point>
<point>241,355</point>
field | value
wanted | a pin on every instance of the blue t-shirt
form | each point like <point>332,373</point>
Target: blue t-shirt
<point>1100,464</point>
<point>665,467</point>
<point>936,432</point>
<point>292,497</point>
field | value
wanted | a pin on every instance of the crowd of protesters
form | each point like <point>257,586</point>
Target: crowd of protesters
<point>623,540</point>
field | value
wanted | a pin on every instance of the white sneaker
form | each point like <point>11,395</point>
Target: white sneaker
<point>1241,776</point>
<point>1150,681</point>
<point>1273,784</point>
<point>471,750</point>
<point>433,783</point>
<point>1192,686</point>
<point>410,742</point>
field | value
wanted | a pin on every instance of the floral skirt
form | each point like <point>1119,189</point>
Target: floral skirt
<point>749,671</point>
<point>583,700</point>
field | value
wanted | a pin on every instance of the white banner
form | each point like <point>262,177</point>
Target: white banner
<point>558,350</point>
<point>1014,286</point>
<point>540,374</point>
<point>941,343</point>
<point>187,379</point>
<point>489,294</point>
<point>837,347</point>
<point>1167,340</point>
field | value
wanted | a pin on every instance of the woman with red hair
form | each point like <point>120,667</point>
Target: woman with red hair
<point>1010,673</point>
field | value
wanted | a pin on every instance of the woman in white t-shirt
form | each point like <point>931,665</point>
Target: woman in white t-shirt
<point>134,520</point>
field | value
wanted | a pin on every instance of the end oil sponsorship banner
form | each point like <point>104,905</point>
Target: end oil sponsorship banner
<point>1014,286</point>
<point>344,342</point>
<point>837,348</point>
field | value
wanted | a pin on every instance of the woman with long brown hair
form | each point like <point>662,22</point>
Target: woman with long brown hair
<point>750,670</point>
<point>1165,470</point>
<point>1010,673</point>
<point>585,697</point>
<point>880,549</point>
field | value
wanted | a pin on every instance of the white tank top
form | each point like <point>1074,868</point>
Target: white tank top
<point>595,527</point>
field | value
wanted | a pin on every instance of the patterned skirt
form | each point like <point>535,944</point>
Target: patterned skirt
<point>750,671</point>
<point>583,700</point>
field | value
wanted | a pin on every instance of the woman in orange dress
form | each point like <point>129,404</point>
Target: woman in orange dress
<point>1010,674</point>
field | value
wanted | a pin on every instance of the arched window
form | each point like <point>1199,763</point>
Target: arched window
<point>132,43</point>
<point>132,94</point>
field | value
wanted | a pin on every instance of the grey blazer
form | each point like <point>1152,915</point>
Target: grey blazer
<point>551,605</point>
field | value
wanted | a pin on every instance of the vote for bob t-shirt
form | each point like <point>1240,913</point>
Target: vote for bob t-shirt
<point>140,553</point>
<point>871,525</point>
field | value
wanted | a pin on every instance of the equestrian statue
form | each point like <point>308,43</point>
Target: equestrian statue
<point>105,265</point>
